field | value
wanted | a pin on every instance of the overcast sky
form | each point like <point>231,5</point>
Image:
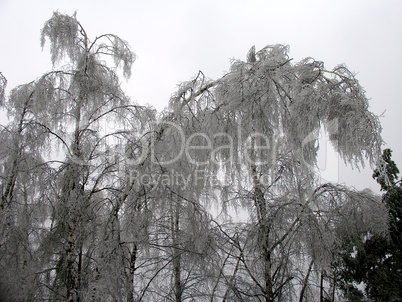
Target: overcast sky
<point>175,39</point>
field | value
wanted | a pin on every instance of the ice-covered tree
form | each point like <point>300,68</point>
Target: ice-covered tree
<point>80,100</point>
<point>257,128</point>
<point>25,182</point>
<point>125,208</point>
<point>71,107</point>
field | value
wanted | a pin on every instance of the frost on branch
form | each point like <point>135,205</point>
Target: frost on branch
<point>63,33</point>
<point>86,89</point>
<point>273,96</point>
<point>336,213</point>
<point>358,136</point>
<point>68,37</point>
<point>19,100</point>
<point>3,84</point>
<point>122,53</point>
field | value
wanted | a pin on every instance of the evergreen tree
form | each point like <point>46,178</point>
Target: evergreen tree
<point>377,261</point>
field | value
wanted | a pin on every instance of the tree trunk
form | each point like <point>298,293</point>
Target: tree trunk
<point>333,287</point>
<point>94,288</point>
<point>264,228</point>
<point>266,248</point>
<point>133,259</point>
<point>7,196</point>
<point>178,288</point>
<point>267,276</point>
<point>230,285</point>
<point>79,274</point>
<point>322,287</point>
<point>305,281</point>
<point>70,270</point>
<point>73,193</point>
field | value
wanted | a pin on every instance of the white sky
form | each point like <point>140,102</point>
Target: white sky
<point>175,39</point>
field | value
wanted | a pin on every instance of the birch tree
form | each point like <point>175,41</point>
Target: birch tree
<point>272,110</point>
<point>181,232</point>
<point>25,182</point>
<point>71,106</point>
